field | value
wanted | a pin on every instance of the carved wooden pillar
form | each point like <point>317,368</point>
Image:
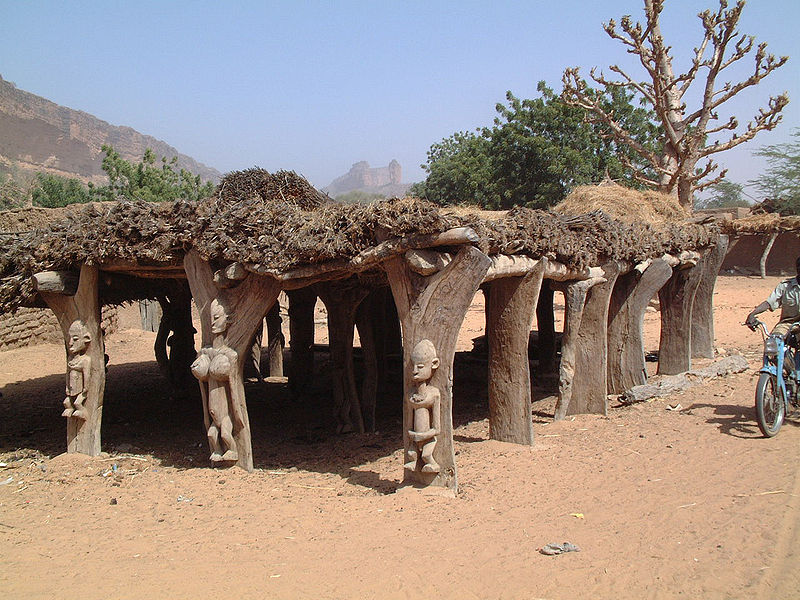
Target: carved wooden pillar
<point>546,328</point>
<point>275,341</point>
<point>676,298</point>
<point>174,345</point>
<point>432,308</point>
<point>77,308</point>
<point>589,386</point>
<point>510,305</point>
<point>574,301</point>
<point>229,317</point>
<point>629,300</point>
<point>341,299</point>
<point>703,308</point>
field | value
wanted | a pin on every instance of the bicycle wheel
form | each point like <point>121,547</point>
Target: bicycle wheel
<point>769,405</point>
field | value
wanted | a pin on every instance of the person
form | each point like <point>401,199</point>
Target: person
<point>786,296</point>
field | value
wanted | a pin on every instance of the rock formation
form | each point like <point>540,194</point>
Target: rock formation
<point>379,180</point>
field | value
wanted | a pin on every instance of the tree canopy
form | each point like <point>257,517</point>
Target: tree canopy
<point>690,135</point>
<point>535,152</point>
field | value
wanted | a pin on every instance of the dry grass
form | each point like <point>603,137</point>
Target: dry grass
<point>623,204</point>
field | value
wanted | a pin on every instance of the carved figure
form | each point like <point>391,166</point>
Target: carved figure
<point>425,407</point>
<point>213,367</point>
<point>79,365</point>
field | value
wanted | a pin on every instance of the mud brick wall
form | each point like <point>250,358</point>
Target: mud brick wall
<point>29,326</point>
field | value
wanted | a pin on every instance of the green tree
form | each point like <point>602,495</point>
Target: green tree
<point>534,154</point>
<point>724,194</point>
<point>52,191</point>
<point>780,183</point>
<point>148,180</point>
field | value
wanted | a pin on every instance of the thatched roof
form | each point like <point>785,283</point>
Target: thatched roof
<point>765,223</point>
<point>280,222</point>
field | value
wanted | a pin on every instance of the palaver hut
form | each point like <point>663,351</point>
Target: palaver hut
<point>261,233</point>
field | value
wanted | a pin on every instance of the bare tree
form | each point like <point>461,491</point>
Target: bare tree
<point>686,133</point>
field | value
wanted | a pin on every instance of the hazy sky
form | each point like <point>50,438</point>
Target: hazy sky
<point>316,86</point>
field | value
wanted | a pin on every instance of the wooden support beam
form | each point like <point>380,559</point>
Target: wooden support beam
<point>511,302</point>
<point>546,328</point>
<point>703,308</point>
<point>629,300</point>
<point>369,353</point>
<point>431,310</point>
<point>341,299</point>
<point>228,319</point>
<point>676,298</point>
<point>590,382</point>
<point>275,341</point>
<point>762,263</point>
<point>301,364</point>
<point>174,345</point>
<point>79,318</point>
<point>574,301</point>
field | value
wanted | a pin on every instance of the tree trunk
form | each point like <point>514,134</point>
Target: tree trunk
<point>511,302</point>
<point>703,308</point>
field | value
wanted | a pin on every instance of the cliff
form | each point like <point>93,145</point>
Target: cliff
<point>39,135</point>
<point>380,180</point>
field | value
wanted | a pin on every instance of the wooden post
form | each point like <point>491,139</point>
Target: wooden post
<point>79,318</point>
<point>703,308</point>
<point>275,341</point>
<point>510,305</point>
<point>629,300</point>
<point>341,299</point>
<point>546,328</point>
<point>369,353</point>
<point>590,382</point>
<point>174,345</point>
<point>676,298</point>
<point>228,319</point>
<point>432,308</point>
<point>574,300</point>
<point>301,346</point>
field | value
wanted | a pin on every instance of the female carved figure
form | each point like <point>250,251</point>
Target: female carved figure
<point>425,407</point>
<point>79,365</point>
<point>213,368</point>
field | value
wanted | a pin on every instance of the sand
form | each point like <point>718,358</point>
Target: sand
<point>662,503</point>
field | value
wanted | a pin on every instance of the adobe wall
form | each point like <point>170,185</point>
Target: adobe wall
<point>29,326</point>
<point>746,254</point>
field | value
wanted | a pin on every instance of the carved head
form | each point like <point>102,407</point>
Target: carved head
<point>219,317</point>
<point>78,337</point>
<point>423,361</point>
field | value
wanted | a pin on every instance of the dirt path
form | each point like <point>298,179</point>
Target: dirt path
<point>662,503</point>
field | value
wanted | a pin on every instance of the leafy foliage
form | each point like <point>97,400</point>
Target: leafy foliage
<point>780,183</point>
<point>12,194</point>
<point>149,181</point>
<point>535,153</point>
<point>52,191</point>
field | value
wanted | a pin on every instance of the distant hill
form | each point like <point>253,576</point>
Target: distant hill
<point>39,135</point>
<point>379,180</point>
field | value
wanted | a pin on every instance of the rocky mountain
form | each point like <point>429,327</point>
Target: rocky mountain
<point>379,180</point>
<point>39,135</point>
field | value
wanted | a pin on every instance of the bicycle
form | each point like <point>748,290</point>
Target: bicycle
<point>777,388</point>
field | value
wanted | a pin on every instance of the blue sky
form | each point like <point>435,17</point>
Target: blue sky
<point>316,86</point>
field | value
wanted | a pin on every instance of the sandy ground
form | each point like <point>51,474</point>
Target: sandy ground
<point>662,503</point>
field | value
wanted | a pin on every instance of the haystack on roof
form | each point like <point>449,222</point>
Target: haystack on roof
<point>624,204</point>
<point>280,222</point>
